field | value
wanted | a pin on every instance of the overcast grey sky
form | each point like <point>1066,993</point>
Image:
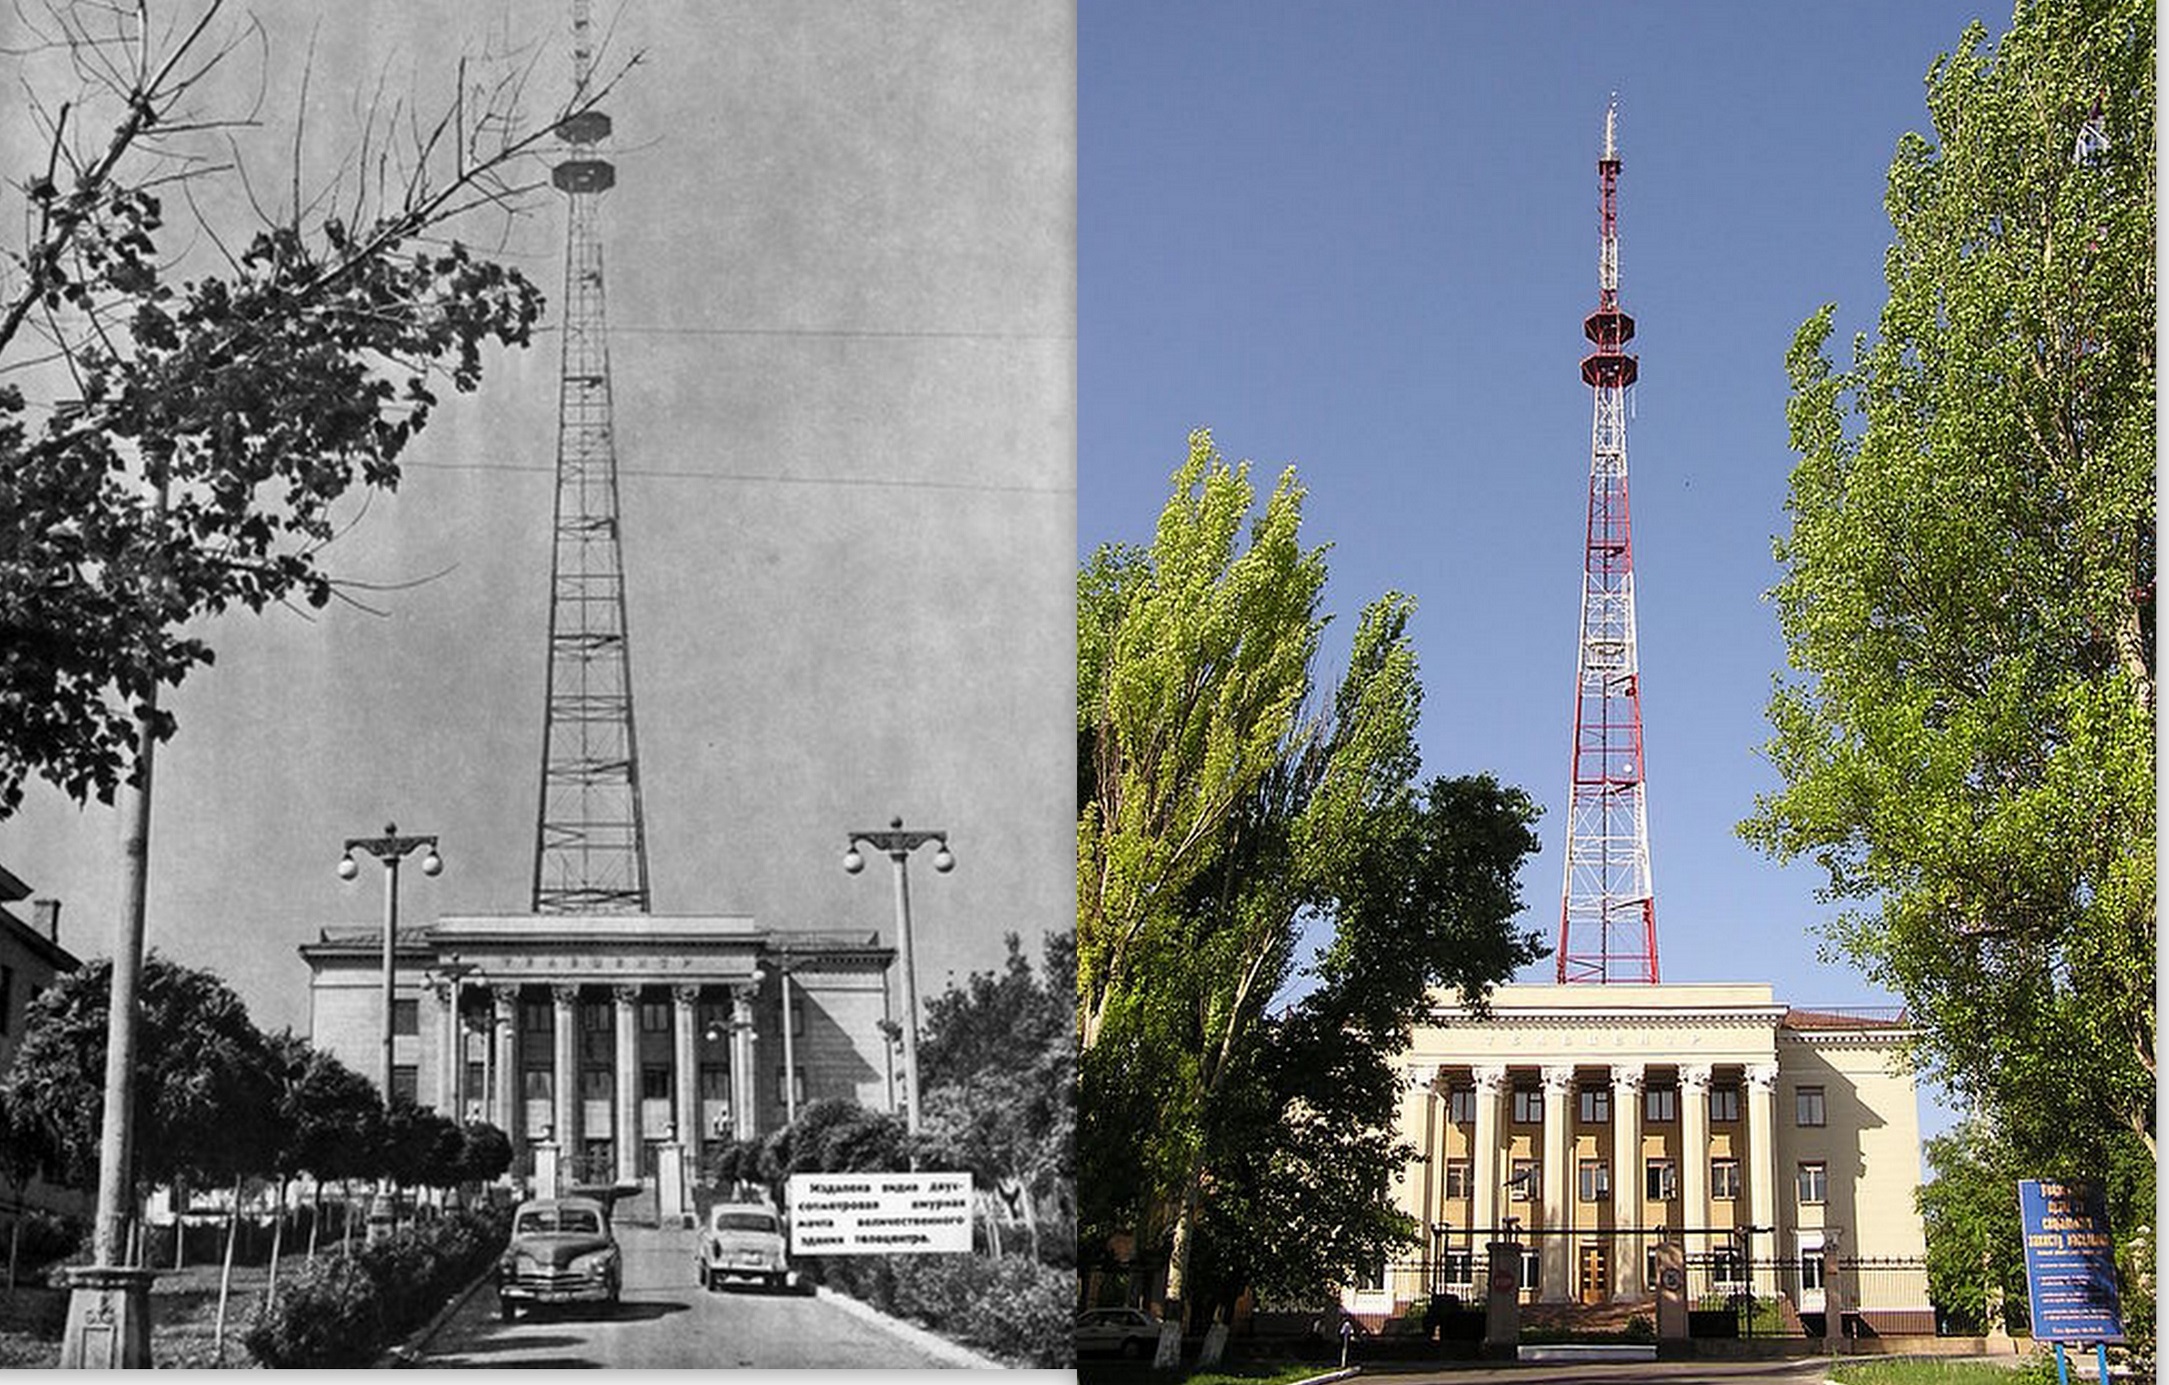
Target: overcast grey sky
<point>840,265</point>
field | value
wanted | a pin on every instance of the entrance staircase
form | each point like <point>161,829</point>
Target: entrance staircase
<point>1588,1317</point>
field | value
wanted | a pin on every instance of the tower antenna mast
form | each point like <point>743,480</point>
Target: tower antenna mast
<point>1608,916</point>
<point>591,850</point>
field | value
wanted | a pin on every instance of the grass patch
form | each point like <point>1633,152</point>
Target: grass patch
<point>1234,1373</point>
<point>184,1311</point>
<point>1920,1373</point>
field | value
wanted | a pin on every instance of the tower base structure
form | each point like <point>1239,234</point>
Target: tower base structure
<point>109,1319</point>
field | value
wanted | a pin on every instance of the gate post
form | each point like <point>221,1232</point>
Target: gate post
<point>1671,1287</point>
<point>1502,1301</point>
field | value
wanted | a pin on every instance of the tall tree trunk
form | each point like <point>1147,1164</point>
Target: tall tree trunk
<point>316,1215</point>
<point>278,1239</point>
<point>15,1244</point>
<point>346,1216</point>
<point>180,1223</point>
<point>225,1275</point>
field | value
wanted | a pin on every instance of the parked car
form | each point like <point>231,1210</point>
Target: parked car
<point>743,1240</point>
<point>1124,1331</point>
<point>562,1251</point>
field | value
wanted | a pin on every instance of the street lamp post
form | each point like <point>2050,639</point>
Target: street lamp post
<point>389,848</point>
<point>899,844</point>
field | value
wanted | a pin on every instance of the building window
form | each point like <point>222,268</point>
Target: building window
<point>534,1083</point>
<point>1596,1180</point>
<point>715,1083</point>
<point>1724,1104</point>
<point>1596,1105</point>
<point>404,1088</point>
<point>1724,1178</point>
<point>1808,1105</point>
<point>798,1017</point>
<point>477,1078</point>
<point>1460,1268</point>
<point>1660,1180</point>
<point>597,1084</point>
<point>1460,1175</point>
<point>1725,1266</point>
<point>1531,1264</point>
<point>534,1017</point>
<point>1461,1105</point>
<point>1814,1184</point>
<point>655,1017</point>
<point>1527,1182</point>
<point>798,1084</point>
<point>1372,1279</point>
<point>1528,1105</point>
<point>1660,1104</point>
<point>406,1017</point>
<point>1811,1271</point>
<point>655,1084</point>
<point>594,1017</point>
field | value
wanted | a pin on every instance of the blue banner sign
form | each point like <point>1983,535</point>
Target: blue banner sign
<point>2070,1262</point>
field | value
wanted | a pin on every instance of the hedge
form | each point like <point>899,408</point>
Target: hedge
<point>1015,1307</point>
<point>346,1309</point>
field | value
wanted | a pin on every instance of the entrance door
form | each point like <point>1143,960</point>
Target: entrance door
<point>1596,1283</point>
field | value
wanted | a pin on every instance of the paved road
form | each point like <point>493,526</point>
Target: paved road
<point>667,1320</point>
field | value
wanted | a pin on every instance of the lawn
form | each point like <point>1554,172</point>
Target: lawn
<point>1921,1373</point>
<point>184,1311</point>
<point>1234,1373</point>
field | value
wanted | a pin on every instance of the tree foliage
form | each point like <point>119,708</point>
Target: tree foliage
<point>200,416</point>
<point>1224,807</point>
<point>1967,741</point>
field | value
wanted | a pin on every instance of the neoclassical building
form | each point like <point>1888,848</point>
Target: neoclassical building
<point>612,1036</point>
<point>1777,1145</point>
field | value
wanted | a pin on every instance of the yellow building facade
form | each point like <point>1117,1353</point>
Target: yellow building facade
<point>1779,1147</point>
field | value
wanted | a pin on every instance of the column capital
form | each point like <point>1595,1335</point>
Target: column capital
<point>441,987</point>
<point>685,993</point>
<point>625,995</point>
<point>1695,1077</point>
<point>1490,1078</point>
<point>503,994</point>
<point>1424,1076</point>
<point>1628,1077</point>
<point>564,994</point>
<point>1762,1076</point>
<point>1558,1078</point>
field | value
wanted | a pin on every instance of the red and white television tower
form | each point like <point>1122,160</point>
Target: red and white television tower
<point>1608,918</point>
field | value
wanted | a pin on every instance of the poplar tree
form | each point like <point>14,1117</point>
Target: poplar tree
<point>1966,738</point>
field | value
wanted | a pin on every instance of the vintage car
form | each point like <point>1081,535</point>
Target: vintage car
<point>561,1252</point>
<point>743,1240</point>
<point>1125,1331</point>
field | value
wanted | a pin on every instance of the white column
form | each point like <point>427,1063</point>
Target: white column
<point>1484,1153</point>
<point>1761,1161</point>
<point>1420,1178</point>
<point>1626,1179</point>
<point>504,1022</point>
<point>1555,1252</point>
<point>1694,1153</point>
<point>745,1083</point>
<point>626,1000</point>
<point>445,990</point>
<point>686,1062</point>
<point>564,1075</point>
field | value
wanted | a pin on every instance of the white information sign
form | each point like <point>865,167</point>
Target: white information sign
<point>880,1213</point>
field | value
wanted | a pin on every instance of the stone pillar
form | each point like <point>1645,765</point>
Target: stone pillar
<point>1555,1252</point>
<point>445,991</point>
<point>109,1319</point>
<point>685,1064</point>
<point>1626,1179</point>
<point>745,1089</point>
<point>1694,1154</point>
<point>504,1020</point>
<point>1833,1293</point>
<point>1484,1151</point>
<point>1502,1299</point>
<point>627,1033</point>
<point>1760,1165</point>
<point>565,1076</point>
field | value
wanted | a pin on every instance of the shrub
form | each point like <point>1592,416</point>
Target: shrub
<point>1640,1329</point>
<point>1016,1307</point>
<point>345,1310</point>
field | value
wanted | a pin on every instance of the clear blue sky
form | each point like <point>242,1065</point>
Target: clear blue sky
<point>1361,239</point>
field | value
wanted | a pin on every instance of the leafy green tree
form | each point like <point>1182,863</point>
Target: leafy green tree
<point>1220,813</point>
<point>201,430</point>
<point>1967,738</point>
<point>204,1086</point>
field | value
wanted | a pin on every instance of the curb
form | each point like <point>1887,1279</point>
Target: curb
<point>932,1343</point>
<point>1329,1377</point>
<point>408,1353</point>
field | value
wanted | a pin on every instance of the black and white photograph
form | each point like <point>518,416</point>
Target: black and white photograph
<point>538,657</point>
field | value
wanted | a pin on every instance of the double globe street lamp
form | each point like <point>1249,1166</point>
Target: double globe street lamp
<point>390,849</point>
<point>899,844</point>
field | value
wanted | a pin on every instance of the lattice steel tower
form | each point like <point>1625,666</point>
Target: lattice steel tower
<point>1608,918</point>
<point>591,851</point>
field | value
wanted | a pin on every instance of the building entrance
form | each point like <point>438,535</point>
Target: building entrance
<point>1596,1280</point>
